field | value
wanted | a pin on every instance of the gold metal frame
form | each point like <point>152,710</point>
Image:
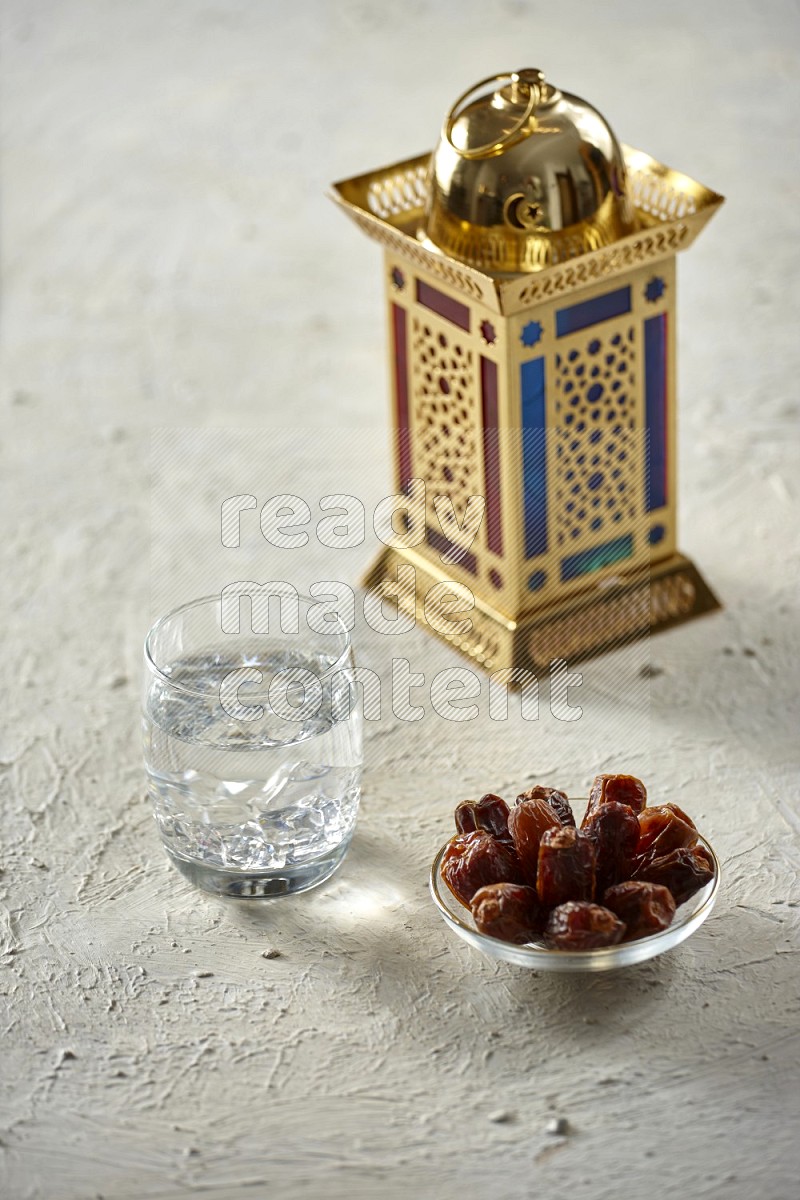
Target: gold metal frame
<point>655,588</point>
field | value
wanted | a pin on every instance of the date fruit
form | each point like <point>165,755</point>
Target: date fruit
<point>581,926</point>
<point>662,829</point>
<point>527,821</point>
<point>683,871</point>
<point>489,813</point>
<point>644,907</point>
<point>613,830</point>
<point>616,789</point>
<point>473,860</point>
<point>557,800</point>
<point>508,911</point>
<point>566,866</point>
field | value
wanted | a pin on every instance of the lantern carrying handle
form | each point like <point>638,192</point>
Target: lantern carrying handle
<point>531,80</point>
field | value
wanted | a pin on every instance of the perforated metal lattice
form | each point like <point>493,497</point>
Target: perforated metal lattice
<point>445,412</point>
<point>596,434</point>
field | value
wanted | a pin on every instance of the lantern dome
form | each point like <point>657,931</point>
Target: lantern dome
<point>524,176</point>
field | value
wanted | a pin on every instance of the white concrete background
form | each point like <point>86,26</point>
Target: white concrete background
<point>169,259</point>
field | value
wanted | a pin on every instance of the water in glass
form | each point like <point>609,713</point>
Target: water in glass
<point>252,807</point>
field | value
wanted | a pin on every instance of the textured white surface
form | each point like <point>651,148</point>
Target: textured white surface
<point>169,259</point>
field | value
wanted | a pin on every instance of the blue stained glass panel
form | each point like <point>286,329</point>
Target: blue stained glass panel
<point>534,457</point>
<point>592,312</point>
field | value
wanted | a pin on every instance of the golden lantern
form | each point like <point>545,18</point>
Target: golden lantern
<point>530,280</point>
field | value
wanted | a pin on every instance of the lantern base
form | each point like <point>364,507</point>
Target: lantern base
<point>581,626</point>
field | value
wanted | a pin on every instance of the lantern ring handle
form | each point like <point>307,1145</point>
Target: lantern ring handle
<point>531,79</point>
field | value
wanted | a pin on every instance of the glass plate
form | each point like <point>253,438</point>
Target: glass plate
<point>538,957</point>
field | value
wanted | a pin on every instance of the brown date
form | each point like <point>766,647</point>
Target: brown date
<point>473,860</point>
<point>527,821</point>
<point>557,800</point>
<point>662,829</point>
<point>581,926</point>
<point>489,813</point>
<point>566,866</point>
<point>466,821</point>
<point>683,871</point>
<point>613,830</point>
<point>616,789</point>
<point>508,911</point>
<point>644,907</point>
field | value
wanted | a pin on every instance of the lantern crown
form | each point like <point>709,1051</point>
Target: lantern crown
<point>670,210</point>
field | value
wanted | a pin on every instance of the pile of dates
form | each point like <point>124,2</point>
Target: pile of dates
<point>529,874</point>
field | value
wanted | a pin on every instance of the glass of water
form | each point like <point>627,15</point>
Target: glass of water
<point>252,742</point>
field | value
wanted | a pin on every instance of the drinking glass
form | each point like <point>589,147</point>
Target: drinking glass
<point>252,742</point>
